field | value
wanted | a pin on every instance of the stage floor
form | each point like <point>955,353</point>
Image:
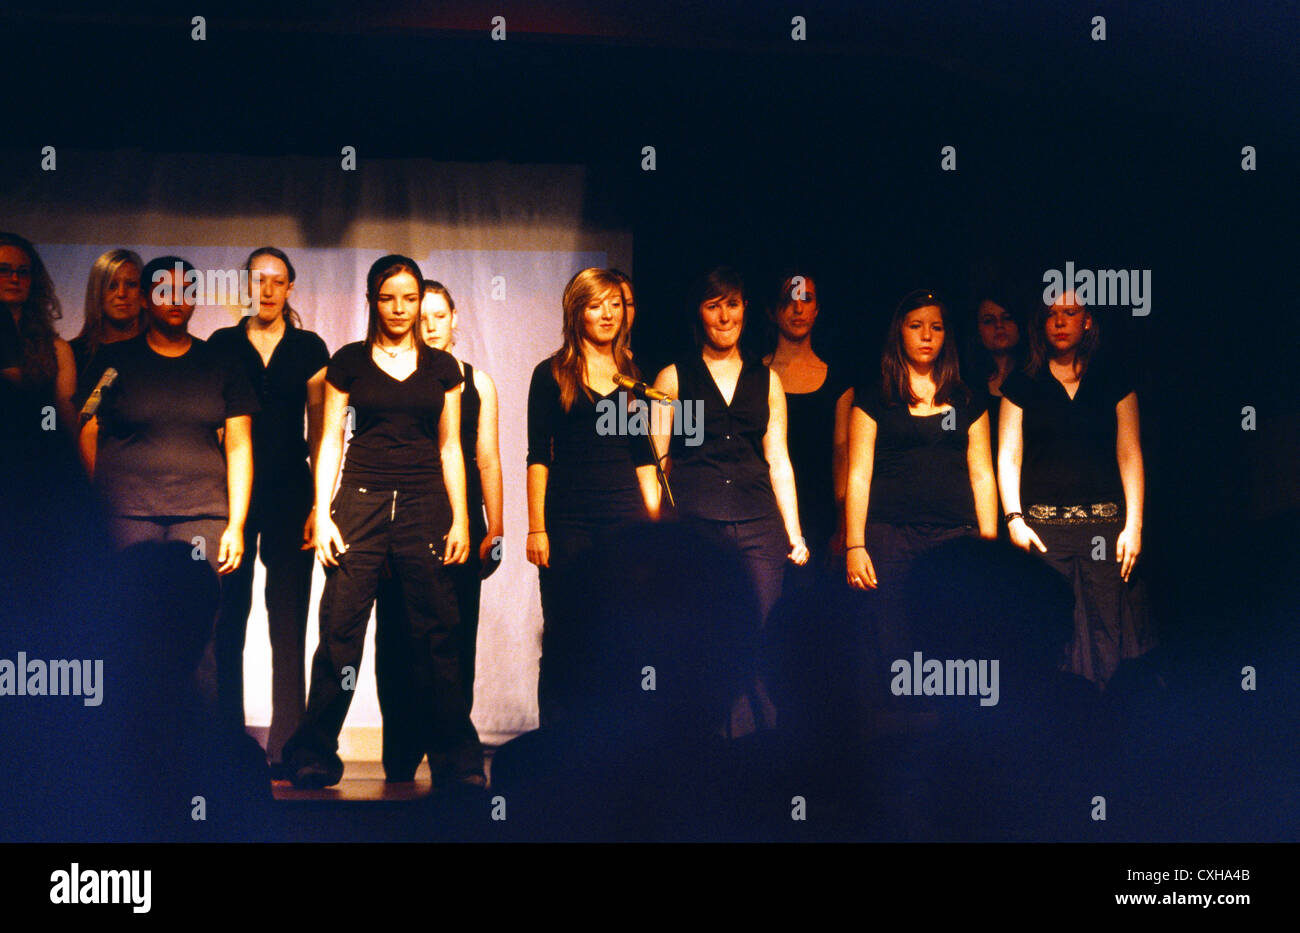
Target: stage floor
<point>363,781</point>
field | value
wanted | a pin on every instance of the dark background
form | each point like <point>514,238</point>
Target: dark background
<point>1117,154</point>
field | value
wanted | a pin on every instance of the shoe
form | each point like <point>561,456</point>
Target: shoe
<point>317,774</point>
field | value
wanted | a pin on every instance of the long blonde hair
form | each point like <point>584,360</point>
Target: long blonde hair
<point>101,274</point>
<point>568,364</point>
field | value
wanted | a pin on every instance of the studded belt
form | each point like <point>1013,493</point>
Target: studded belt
<point>1089,513</point>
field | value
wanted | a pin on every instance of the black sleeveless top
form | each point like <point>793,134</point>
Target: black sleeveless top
<point>470,406</point>
<point>810,433</point>
<point>725,478</point>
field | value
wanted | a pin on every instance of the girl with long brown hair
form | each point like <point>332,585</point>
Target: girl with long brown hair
<point>920,472</point>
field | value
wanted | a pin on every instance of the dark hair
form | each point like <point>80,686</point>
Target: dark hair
<point>37,317</point>
<point>779,298</point>
<point>979,361</point>
<point>164,264</point>
<point>716,283</point>
<point>894,379</point>
<point>291,317</point>
<point>1040,353</point>
<point>381,270</point>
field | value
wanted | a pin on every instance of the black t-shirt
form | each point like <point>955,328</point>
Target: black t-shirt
<point>1069,445</point>
<point>11,345</point>
<point>920,474</point>
<point>395,439</point>
<point>80,358</point>
<point>810,433</point>
<point>591,472</point>
<point>727,477</point>
<point>158,452</point>
<point>279,447</point>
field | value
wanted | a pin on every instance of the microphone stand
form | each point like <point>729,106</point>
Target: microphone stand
<point>641,391</point>
<point>659,460</point>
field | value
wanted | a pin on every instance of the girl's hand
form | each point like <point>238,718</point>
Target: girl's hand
<point>489,554</point>
<point>798,551</point>
<point>457,539</point>
<point>1022,536</point>
<point>538,549</point>
<point>1127,548</point>
<point>231,551</point>
<point>861,572</point>
<point>328,541</point>
<point>308,530</point>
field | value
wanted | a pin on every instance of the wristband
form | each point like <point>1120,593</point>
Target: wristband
<point>542,532</point>
<point>1012,516</point>
<point>854,547</point>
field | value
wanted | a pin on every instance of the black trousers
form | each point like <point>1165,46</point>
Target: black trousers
<point>195,533</point>
<point>278,526</point>
<point>402,749</point>
<point>893,550</point>
<point>407,527</point>
<point>764,547</point>
<point>570,538</point>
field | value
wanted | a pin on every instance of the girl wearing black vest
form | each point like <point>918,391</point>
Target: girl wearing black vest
<point>920,472</point>
<point>734,480</point>
<point>286,367</point>
<point>583,480</point>
<point>1071,473</point>
<point>402,496</point>
<point>482,453</point>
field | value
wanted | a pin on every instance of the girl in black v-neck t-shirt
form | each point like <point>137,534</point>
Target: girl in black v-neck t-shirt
<point>392,504</point>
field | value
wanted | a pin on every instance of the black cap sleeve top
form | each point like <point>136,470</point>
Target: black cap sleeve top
<point>920,474</point>
<point>395,436</point>
<point>592,475</point>
<point>279,443</point>
<point>1069,444</point>
<point>726,477</point>
<point>158,452</point>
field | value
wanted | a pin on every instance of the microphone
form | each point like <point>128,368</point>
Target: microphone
<point>637,387</point>
<point>92,403</point>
